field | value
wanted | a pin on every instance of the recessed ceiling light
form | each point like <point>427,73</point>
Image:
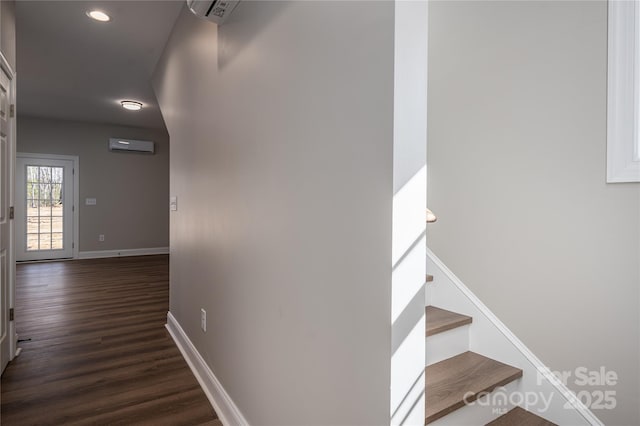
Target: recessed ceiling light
<point>131,105</point>
<point>98,15</point>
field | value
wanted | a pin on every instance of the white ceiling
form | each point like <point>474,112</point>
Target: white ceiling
<point>72,67</point>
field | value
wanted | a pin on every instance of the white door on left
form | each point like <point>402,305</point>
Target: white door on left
<point>7,149</point>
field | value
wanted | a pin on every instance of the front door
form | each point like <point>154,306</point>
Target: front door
<point>44,212</point>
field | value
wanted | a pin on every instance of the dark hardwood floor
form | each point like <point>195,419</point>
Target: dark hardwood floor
<point>98,351</point>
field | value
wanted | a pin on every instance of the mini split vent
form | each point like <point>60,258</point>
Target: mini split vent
<point>130,145</point>
<point>214,10</point>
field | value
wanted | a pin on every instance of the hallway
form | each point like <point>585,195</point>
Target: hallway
<point>97,350</point>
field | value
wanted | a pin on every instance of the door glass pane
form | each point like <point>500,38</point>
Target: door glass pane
<point>45,241</point>
<point>33,191</point>
<point>56,224</point>
<point>32,174</point>
<point>56,194</point>
<point>45,191</point>
<point>45,174</point>
<point>45,224</point>
<point>32,242</point>
<point>45,214</point>
<point>33,225</point>
<point>32,208</point>
<point>56,241</point>
<point>56,176</point>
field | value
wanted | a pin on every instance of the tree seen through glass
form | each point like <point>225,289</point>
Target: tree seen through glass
<point>44,208</point>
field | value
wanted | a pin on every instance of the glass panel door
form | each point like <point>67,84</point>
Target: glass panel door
<point>44,221</point>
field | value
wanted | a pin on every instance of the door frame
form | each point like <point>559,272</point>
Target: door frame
<point>76,193</point>
<point>11,291</point>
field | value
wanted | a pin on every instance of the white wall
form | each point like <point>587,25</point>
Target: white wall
<point>281,127</point>
<point>517,156</point>
<point>132,190</point>
<point>8,31</point>
<point>409,203</point>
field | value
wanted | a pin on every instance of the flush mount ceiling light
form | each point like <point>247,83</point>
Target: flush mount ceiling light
<point>98,15</point>
<point>131,105</point>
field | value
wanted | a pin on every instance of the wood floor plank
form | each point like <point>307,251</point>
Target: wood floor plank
<point>98,351</point>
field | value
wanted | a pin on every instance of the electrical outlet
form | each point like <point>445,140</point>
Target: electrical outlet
<point>203,320</point>
<point>101,237</point>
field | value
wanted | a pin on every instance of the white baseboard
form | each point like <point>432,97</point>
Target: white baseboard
<point>225,408</point>
<point>122,253</point>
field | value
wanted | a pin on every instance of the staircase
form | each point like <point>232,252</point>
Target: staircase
<point>453,380</point>
<point>470,352</point>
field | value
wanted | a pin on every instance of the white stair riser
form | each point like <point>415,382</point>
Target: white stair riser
<point>481,411</point>
<point>447,344</point>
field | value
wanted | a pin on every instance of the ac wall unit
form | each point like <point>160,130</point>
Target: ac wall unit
<point>130,145</point>
<point>214,10</point>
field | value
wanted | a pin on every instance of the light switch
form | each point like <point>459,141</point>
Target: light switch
<point>90,201</point>
<point>173,204</point>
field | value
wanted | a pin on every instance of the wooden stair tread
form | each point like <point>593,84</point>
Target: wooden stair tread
<point>521,417</point>
<point>448,381</point>
<point>439,320</point>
